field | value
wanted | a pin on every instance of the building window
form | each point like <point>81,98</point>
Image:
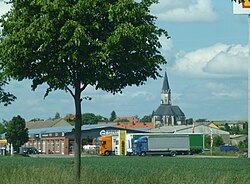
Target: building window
<point>52,145</point>
<point>35,144</point>
<point>43,147</point>
<point>39,145</point>
<point>48,144</point>
<point>57,145</point>
<point>62,151</point>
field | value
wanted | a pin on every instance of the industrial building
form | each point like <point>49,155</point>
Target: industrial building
<point>199,128</point>
<point>60,140</point>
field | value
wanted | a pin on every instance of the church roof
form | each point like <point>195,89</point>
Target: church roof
<point>165,86</point>
<point>165,109</point>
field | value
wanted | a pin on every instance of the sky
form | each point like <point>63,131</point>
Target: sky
<point>206,57</point>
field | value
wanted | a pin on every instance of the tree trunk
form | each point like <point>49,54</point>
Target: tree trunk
<point>78,123</point>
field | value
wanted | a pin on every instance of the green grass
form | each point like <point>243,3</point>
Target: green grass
<point>138,170</point>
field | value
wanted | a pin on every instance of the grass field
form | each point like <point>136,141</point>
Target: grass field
<point>120,170</point>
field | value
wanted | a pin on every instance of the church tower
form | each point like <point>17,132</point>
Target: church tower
<point>165,92</point>
<point>167,114</point>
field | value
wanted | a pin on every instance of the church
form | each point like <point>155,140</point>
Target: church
<point>167,114</point>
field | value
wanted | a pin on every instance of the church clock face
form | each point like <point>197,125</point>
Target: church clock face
<point>166,98</point>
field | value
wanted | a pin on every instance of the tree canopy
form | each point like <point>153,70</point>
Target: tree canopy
<point>70,45</point>
<point>90,118</point>
<point>16,133</point>
<point>190,121</point>
<point>109,44</point>
<point>146,118</point>
<point>2,128</point>
<point>113,116</point>
<point>5,97</point>
<point>57,115</point>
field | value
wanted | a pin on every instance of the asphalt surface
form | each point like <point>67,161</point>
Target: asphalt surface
<point>178,156</point>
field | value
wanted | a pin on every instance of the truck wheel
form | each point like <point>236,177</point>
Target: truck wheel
<point>106,153</point>
<point>143,154</point>
<point>173,153</point>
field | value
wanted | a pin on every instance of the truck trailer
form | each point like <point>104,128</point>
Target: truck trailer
<point>130,137</point>
<point>196,143</point>
<point>170,144</point>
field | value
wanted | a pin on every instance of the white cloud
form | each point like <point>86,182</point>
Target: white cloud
<point>185,11</point>
<point>231,62</point>
<point>4,8</point>
<point>219,60</point>
<point>125,97</point>
<point>167,46</point>
<point>221,90</point>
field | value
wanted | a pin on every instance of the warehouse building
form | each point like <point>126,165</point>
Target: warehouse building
<point>200,128</point>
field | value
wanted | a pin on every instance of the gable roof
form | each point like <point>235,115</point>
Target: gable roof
<point>129,118</point>
<point>137,125</point>
<point>66,129</point>
<point>205,129</point>
<point>171,110</point>
<point>132,123</point>
<point>46,123</point>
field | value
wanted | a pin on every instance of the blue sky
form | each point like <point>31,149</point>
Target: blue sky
<point>207,70</point>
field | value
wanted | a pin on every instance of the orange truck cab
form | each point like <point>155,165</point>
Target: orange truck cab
<point>107,145</point>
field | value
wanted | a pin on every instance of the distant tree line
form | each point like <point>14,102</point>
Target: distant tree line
<point>236,129</point>
<point>91,118</point>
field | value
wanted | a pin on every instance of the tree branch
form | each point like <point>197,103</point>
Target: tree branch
<point>70,91</point>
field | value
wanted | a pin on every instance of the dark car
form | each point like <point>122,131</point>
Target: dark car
<point>227,148</point>
<point>29,150</point>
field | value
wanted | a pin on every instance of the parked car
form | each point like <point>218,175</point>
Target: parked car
<point>227,148</point>
<point>30,150</point>
<point>89,147</point>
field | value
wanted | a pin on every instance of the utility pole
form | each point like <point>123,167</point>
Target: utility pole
<point>243,8</point>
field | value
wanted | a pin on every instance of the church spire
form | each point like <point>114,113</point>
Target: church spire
<point>166,91</point>
<point>165,86</point>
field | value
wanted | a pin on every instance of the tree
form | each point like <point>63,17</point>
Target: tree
<point>113,116</point>
<point>217,140</point>
<point>101,118</point>
<point>2,128</point>
<point>146,118</point>
<point>235,130</point>
<point>201,120</point>
<point>227,127</point>
<point>72,44</point>
<point>245,129</point>
<point>57,115</point>
<point>122,120</point>
<point>16,133</point>
<point>243,145</point>
<point>190,121</point>
<point>89,118</point>
<point>5,97</point>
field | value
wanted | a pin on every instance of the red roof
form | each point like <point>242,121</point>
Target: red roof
<point>133,123</point>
